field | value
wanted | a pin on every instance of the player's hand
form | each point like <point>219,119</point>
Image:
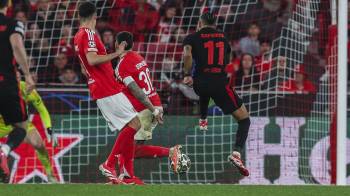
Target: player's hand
<point>188,80</point>
<point>51,138</point>
<point>30,84</point>
<point>120,48</point>
<point>158,116</point>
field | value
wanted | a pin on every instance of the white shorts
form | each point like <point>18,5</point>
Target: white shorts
<point>117,110</point>
<point>147,125</point>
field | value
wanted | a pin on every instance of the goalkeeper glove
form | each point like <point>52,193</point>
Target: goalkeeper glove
<point>51,138</point>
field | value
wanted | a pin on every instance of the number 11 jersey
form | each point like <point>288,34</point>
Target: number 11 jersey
<point>210,53</point>
<point>133,68</point>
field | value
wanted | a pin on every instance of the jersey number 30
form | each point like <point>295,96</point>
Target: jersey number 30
<point>144,76</point>
<point>210,46</point>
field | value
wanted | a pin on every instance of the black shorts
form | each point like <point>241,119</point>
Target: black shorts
<point>12,106</point>
<point>224,96</point>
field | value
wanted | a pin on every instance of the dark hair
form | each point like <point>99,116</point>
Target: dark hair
<point>208,18</point>
<point>127,37</point>
<point>265,40</point>
<point>253,24</point>
<point>240,83</point>
<point>67,68</point>
<point>3,3</point>
<point>87,9</point>
<point>107,30</point>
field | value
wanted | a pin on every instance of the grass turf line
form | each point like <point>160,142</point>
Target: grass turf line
<point>170,190</point>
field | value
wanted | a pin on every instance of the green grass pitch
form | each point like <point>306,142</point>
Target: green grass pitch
<point>170,190</point>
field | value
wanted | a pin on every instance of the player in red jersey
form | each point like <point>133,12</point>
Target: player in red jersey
<point>132,70</point>
<point>113,104</point>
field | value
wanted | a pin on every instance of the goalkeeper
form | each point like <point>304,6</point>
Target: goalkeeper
<point>33,137</point>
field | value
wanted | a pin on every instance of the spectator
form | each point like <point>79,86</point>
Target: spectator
<point>32,41</point>
<point>65,44</point>
<point>68,76</point>
<point>281,66</point>
<point>250,43</point>
<point>108,40</point>
<point>300,84</point>
<point>263,60</point>
<point>246,76</point>
<point>42,13</point>
<point>21,15</point>
<point>138,17</point>
<point>60,62</point>
<point>178,35</point>
<point>34,76</point>
<point>165,23</point>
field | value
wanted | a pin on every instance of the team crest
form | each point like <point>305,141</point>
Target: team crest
<point>92,44</point>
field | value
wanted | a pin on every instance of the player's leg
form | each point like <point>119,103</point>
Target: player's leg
<point>149,151</point>
<point>203,107</point>
<point>204,97</point>
<point>13,111</point>
<point>125,146</point>
<point>120,115</point>
<point>231,103</point>
<point>242,117</point>
<point>34,139</point>
<point>144,134</point>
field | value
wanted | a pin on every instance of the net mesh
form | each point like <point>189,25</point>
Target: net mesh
<point>290,125</point>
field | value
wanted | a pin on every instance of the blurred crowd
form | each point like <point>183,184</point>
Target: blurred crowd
<point>159,26</point>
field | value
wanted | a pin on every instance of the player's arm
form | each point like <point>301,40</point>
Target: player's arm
<point>36,100</point>
<point>19,52</point>
<point>94,59</point>
<point>39,105</point>
<point>188,65</point>
<point>142,97</point>
<point>187,59</point>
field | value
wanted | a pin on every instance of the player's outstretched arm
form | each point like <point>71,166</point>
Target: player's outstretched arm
<point>94,59</point>
<point>20,55</point>
<point>142,97</point>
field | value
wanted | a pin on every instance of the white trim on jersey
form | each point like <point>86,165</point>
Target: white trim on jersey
<point>90,34</point>
<point>82,63</point>
<point>116,71</point>
<point>128,80</point>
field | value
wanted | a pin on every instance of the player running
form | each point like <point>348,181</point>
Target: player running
<point>33,137</point>
<point>12,106</point>
<point>210,51</point>
<point>104,88</point>
<point>133,71</point>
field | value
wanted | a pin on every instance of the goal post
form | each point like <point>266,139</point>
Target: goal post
<point>342,92</point>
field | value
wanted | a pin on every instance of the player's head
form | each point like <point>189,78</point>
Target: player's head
<point>3,4</point>
<point>124,36</point>
<point>87,12</point>
<point>207,19</point>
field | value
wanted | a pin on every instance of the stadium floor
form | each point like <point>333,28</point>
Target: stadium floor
<point>170,190</point>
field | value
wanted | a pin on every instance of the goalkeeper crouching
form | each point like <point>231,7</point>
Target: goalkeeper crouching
<point>33,137</point>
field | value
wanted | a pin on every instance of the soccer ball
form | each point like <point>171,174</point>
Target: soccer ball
<point>184,164</point>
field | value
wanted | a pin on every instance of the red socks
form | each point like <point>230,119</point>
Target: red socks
<point>125,146</point>
<point>148,151</point>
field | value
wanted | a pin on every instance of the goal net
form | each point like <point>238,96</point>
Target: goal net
<point>282,65</point>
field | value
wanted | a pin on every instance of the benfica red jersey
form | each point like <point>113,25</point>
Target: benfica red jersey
<point>101,80</point>
<point>132,67</point>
